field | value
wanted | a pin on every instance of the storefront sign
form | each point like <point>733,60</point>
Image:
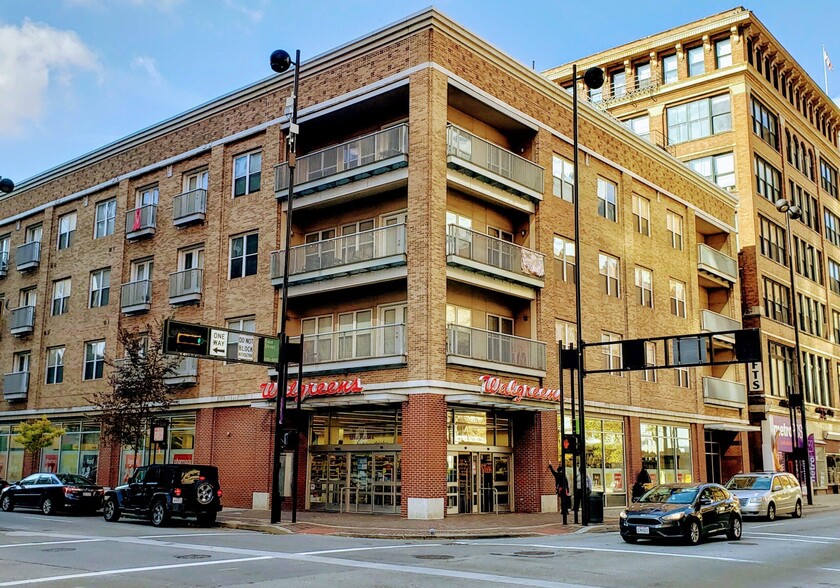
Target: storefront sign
<point>517,391</point>
<point>812,458</point>
<point>755,378</point>
<point>335,388</point>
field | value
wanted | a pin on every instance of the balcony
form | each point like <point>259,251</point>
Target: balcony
<point>625,93</point>
<point>185,286</point>
<point>136,297</point>
<point>368,257</point>
<point>348,350</point>
<point>185,373</point>
<point>489,262</point>
<point>493,352</point>
<point>490,172</point>
<point>15,386</point>
<point>717,390</point>
<point>369,164</point>
<point>717,269</point>
<point>713,322</point>
<point>189,208</point>
<point>4,264</point>
<point>28,256</point>
<point>141,222</point>
<point>23,321</point>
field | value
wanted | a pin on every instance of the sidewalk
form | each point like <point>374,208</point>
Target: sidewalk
<point>485,526</point>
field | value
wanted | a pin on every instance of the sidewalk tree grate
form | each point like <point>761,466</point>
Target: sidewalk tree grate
<point>534,553</point>
<point>434,556</point>
<point>193,556</point>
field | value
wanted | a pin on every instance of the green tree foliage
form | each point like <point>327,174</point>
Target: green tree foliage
<point>36,435</point>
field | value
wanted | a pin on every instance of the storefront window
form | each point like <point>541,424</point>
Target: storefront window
<point>477,427</point>
<point>666,453</point>
<point>604,458</point>
<point>363,427</point>
<point>75,452</point>
<point>180,446</point>
<point>832,461</point>
<point>11,454</point>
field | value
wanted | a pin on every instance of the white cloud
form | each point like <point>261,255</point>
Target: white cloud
<point>254,14</point>
<point>148,66</point>
<point>32,57</point>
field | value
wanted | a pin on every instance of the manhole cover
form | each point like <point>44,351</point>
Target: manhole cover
<point>534,553</point>
<point>192,556</point>
<point>55,549</point>
<point>434,556</point>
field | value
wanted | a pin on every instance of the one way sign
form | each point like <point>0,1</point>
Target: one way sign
<point>218,343</point>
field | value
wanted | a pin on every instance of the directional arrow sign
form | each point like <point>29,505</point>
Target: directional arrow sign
<point>218,343</point>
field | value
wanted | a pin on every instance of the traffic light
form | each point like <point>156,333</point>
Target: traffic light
<point>185,338</point>
<point>290,440</point>
<point>570,443</point>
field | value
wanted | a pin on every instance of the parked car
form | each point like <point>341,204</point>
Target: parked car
<point>160,492</point>
<point>3,484</point>
<point>682,511</point>
<point>53,492</point>
<point>767,494</point>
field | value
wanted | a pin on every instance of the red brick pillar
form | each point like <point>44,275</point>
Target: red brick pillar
<point>633,451</point>
<point>424,456</point>
<point>204,436</point>
<point>108,472</point>
<point>534,447</point>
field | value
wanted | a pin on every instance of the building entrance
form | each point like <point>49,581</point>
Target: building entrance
<point>358,481</point>
<point>478,482</point>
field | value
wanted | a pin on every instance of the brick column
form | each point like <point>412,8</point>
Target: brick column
<point>204,436</point>
<point>108,470</point>
<point>424,457</point>
<point>633,451</point>
<point>535,446</point>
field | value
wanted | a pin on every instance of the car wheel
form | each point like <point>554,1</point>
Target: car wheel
<point>110,510</point>
<point>207,519</point>
<point>797,510</point>
<point>693,533</point>
<point>629,539</point>
<point>771,512</point>
<point>159,515</point>
<point>6,505</point>
<point>48,506</point>
<point>735,529</point>
<point>204,493</point>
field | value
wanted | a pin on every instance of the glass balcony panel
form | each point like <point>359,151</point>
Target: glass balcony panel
<point>718,263</point>
<point>185,282</point>
<point>189,206</point>
<point>22,320</point>
<point>727,390</point>
<point>354,344</point>
<point>494,252</point>
<point>141,221</point>
<point>28,255</point>
<point>15,386</point>
<point>135,295</point>
<point>483,345</point>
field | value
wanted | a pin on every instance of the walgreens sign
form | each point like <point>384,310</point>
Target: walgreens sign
<point>335,388</point>
<point>517,391</point>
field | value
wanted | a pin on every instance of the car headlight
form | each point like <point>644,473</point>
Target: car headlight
<point>758,499</point>
<point>622,514</point>
<point>673,516</point>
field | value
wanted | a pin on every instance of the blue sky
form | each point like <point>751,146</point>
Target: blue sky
<point>77,74</point>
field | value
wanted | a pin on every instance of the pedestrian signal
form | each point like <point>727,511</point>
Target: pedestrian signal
<point>570,444</point>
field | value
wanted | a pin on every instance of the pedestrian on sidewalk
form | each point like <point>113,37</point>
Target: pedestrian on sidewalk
<point>561,485</point>
<point>642,480</point>
<point>578,490</point>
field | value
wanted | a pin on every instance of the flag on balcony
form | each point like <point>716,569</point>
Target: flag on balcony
<point>136,226</point>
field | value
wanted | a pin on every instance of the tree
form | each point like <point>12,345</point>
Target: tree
<point>36,435</point>
<point>137,390</point>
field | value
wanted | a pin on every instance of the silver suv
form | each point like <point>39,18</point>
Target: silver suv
<point>767,494</point>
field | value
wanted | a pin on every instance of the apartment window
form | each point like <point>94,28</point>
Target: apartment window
<point>835,325</point>
<point>94,360</point>
<point>20,362</point>
<point>34,234</point>
<point>317,342</point>
<point>644,287</point>
<point>828,178</point>
<point>564,178</point>
<point>106,212</point>
<point>196,180</point>
<point>639,125</point>
<point>247,324</point>
<point>696,65</point>
<point>776,301</point>
<point>66,230</point>
<point>643,75</point>
<point>564,258</point>
<point>719,169</point>
<point>596,95</point>
<point>148,196</point>
<point>677,298</point>
<point>100,287</point>
<point>808,260</point>
<point>243,255</point>
<point>61,296</point>
<point>674,224</point>
<point>768,180</point>
<point>698,119</point>
<point>28,297</point>
<point>772,241</point>
<point>641,214</point>
<point>5,245</point>
<point>682,377</point>
<point>765,124</point>
<point>565,333</point>
<point>812,315</point>
<point>246,173</point>
<point>355,338</point>
<point>55,365</point>
<point>612,353</point>
<point>608,268</point>
<point>618,81</point>
<point>815,378</point>
<point>781,368</point>
<point>649,375</point>
<point>809,205</point>
<point>669,69</point>
<point>607,201</point>
<point>834,278</point>
<point>723,53</point>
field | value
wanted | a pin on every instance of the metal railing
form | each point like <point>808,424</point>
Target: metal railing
<point>22,318</point>
<point>28,254</point>
<point>347,156</point>
<point>364,343</point>
<point>485,155</point>
<point>331,253</point>
<point>717,261</point>
<point>185,282</point>
<point>483,345</point>
<point>136,293</point>
<point>189,203</point>
<point>15,385</point>
<point>494,252</point>
<point>144,217</point>
<point>626,93</point>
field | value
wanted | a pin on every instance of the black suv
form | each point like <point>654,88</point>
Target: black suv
<point>163,491</point>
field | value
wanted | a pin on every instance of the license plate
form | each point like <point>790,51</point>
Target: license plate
<point>177,500</point>
<point>643,530</point>
<point>87,493</point>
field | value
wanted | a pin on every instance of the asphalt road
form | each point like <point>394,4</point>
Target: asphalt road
<point>74,551</point>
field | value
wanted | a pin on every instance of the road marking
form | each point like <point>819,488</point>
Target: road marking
<point>625,551</point>
<point>372,548</point>
<point>789,535</point>
<point>790,539</point>
<point>51,543</point>
<point>831,569</point>
<point>192,535</point>
<point>41,518</point>
<point>766,525</point>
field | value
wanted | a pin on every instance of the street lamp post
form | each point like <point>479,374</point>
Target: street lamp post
<point>281,61</point>
<point>593,78</point>
<point>790,211</point>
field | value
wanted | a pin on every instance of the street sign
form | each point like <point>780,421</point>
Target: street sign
<point>226,344</point>
<point>270,350</point>
<point>755,377</point>
<point>245,351</point>
<point>218,342</point>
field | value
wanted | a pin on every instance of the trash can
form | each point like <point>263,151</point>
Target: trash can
<point>596,507</point>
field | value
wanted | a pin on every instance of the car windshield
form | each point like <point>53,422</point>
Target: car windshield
<point>74,479</point>
<point>670,495</point>
<point>749,483</point>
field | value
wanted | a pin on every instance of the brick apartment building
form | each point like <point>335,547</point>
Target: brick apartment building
<point>725,97</point>
<point>432,265</point>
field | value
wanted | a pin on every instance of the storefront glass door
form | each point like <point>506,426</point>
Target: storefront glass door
<point>478,482</point>
<point>355,482</point>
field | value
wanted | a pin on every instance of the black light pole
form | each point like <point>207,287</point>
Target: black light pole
<point>593,78</point>
<point>281,61</point>
<point>790,211</point>
<point>6,185</point>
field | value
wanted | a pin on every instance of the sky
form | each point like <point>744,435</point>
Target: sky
<point>78,74</point>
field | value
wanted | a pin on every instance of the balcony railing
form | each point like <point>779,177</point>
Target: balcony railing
<point>22,321</point>
<point>185,374</point>
<point>613,95</point>
<point>347,162</point>
<point>497,348</point>
<point>141,222</point>
<point>28,256</point>
<point>364,347</point>
<point>492,164</point>
<point>714,262</point>
<point>726,390</point>
<point>4,264</point>
<point>714,322</point>
<point>494,256</point>
<point>185,286</point>
<point>359,251</point>
<point>15,386</point>
<point>189,207</point>
<point>136,296</point>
